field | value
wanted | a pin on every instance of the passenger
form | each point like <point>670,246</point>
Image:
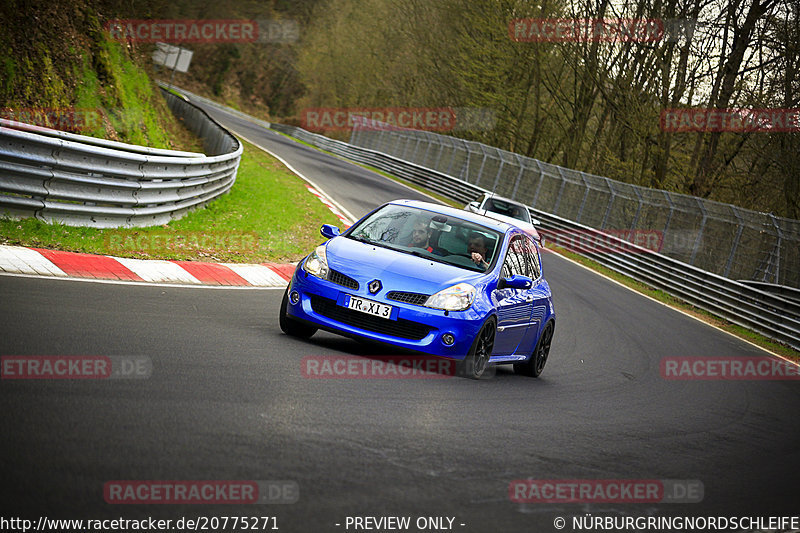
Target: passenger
<point>477,248</point>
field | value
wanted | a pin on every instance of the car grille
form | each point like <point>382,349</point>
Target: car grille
<point>337,277</point>
<point>404,329</point>
<point>413,298</point>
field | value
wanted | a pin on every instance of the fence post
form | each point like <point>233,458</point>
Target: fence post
<point>699,233</point>
<point>585,196</point>
<point>638,210</point>
<point>497,177</point>
<point>483,163</point>
<point>778,244</point>
<point>560,191</point>
<point>610,203</point>
<point>538,187</point>
<point>519,176</point>
<point>669,219</point>
<point>439,155</point>
<point>735,241</point>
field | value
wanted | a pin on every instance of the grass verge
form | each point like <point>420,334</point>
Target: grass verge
<point>268,216</point>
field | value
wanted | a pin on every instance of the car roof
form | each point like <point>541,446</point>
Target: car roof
<point>481,220</point>
<point>502,199</point>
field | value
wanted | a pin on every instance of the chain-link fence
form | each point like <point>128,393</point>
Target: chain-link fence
<point>721,238</point>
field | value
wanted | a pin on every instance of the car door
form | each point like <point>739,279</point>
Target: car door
<point>513,305</point>
<point>538,295</point>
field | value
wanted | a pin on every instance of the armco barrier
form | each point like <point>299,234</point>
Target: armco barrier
<point>84,181</point>
<point>772,315</point>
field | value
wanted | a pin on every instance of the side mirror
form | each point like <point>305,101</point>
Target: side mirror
<point>329,231</point>
<point>473,206</point>
<point>516,281</point>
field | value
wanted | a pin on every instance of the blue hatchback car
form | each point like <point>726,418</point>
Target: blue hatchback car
<point>432,279</point>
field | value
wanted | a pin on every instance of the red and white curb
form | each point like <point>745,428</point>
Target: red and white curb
<point>335,210</point>
<point>39,262</point>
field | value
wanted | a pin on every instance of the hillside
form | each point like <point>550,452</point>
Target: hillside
<point>60,69</point>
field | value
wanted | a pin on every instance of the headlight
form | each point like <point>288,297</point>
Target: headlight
<point>455,298</point>
<point>317,263</point>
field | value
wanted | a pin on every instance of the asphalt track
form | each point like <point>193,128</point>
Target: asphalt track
<point>227,400</point>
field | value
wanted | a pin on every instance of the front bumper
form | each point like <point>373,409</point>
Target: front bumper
<point>412,327</point>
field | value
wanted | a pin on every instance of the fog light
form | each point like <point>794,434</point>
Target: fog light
<point>448,339</point>
<point>294,297</point>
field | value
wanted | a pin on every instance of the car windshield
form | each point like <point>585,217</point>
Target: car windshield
<point>443,238</point>
<point>509,209</point>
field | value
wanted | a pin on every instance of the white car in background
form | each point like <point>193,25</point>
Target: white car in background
<point>506,210</point>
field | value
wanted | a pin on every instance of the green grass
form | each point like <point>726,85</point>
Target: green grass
<point>268,216</point>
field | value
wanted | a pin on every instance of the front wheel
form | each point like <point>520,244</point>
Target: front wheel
<point>535,365</point>
<point>477,360</point>
<point>289,325</point>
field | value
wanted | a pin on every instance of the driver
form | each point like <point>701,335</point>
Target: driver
<point>420,236</point>
<point>477,249</point>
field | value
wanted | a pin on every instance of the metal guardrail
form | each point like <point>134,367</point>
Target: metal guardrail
<point>769,314</point>
<point>214,104</point>
<point>85,181</point>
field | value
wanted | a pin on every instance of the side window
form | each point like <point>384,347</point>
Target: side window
<point>515,262</point>
<point>533,259</point>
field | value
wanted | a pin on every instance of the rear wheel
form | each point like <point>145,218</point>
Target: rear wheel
<point>291,326</point>
<point>477,360</point>
<point>535,365</point>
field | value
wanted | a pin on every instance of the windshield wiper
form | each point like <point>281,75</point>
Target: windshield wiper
<point>361,239</point>
<point>366,240</point>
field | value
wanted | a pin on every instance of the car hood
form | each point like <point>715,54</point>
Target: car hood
<point>396,270</point>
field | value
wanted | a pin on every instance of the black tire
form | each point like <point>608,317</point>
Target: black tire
<point>293,327</point>
<point>476,362</point>
<point>535,365</point>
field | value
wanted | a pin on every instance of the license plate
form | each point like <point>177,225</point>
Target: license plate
<point>369,307</point>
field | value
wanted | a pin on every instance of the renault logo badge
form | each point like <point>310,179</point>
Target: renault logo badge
<point>374,286</point>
